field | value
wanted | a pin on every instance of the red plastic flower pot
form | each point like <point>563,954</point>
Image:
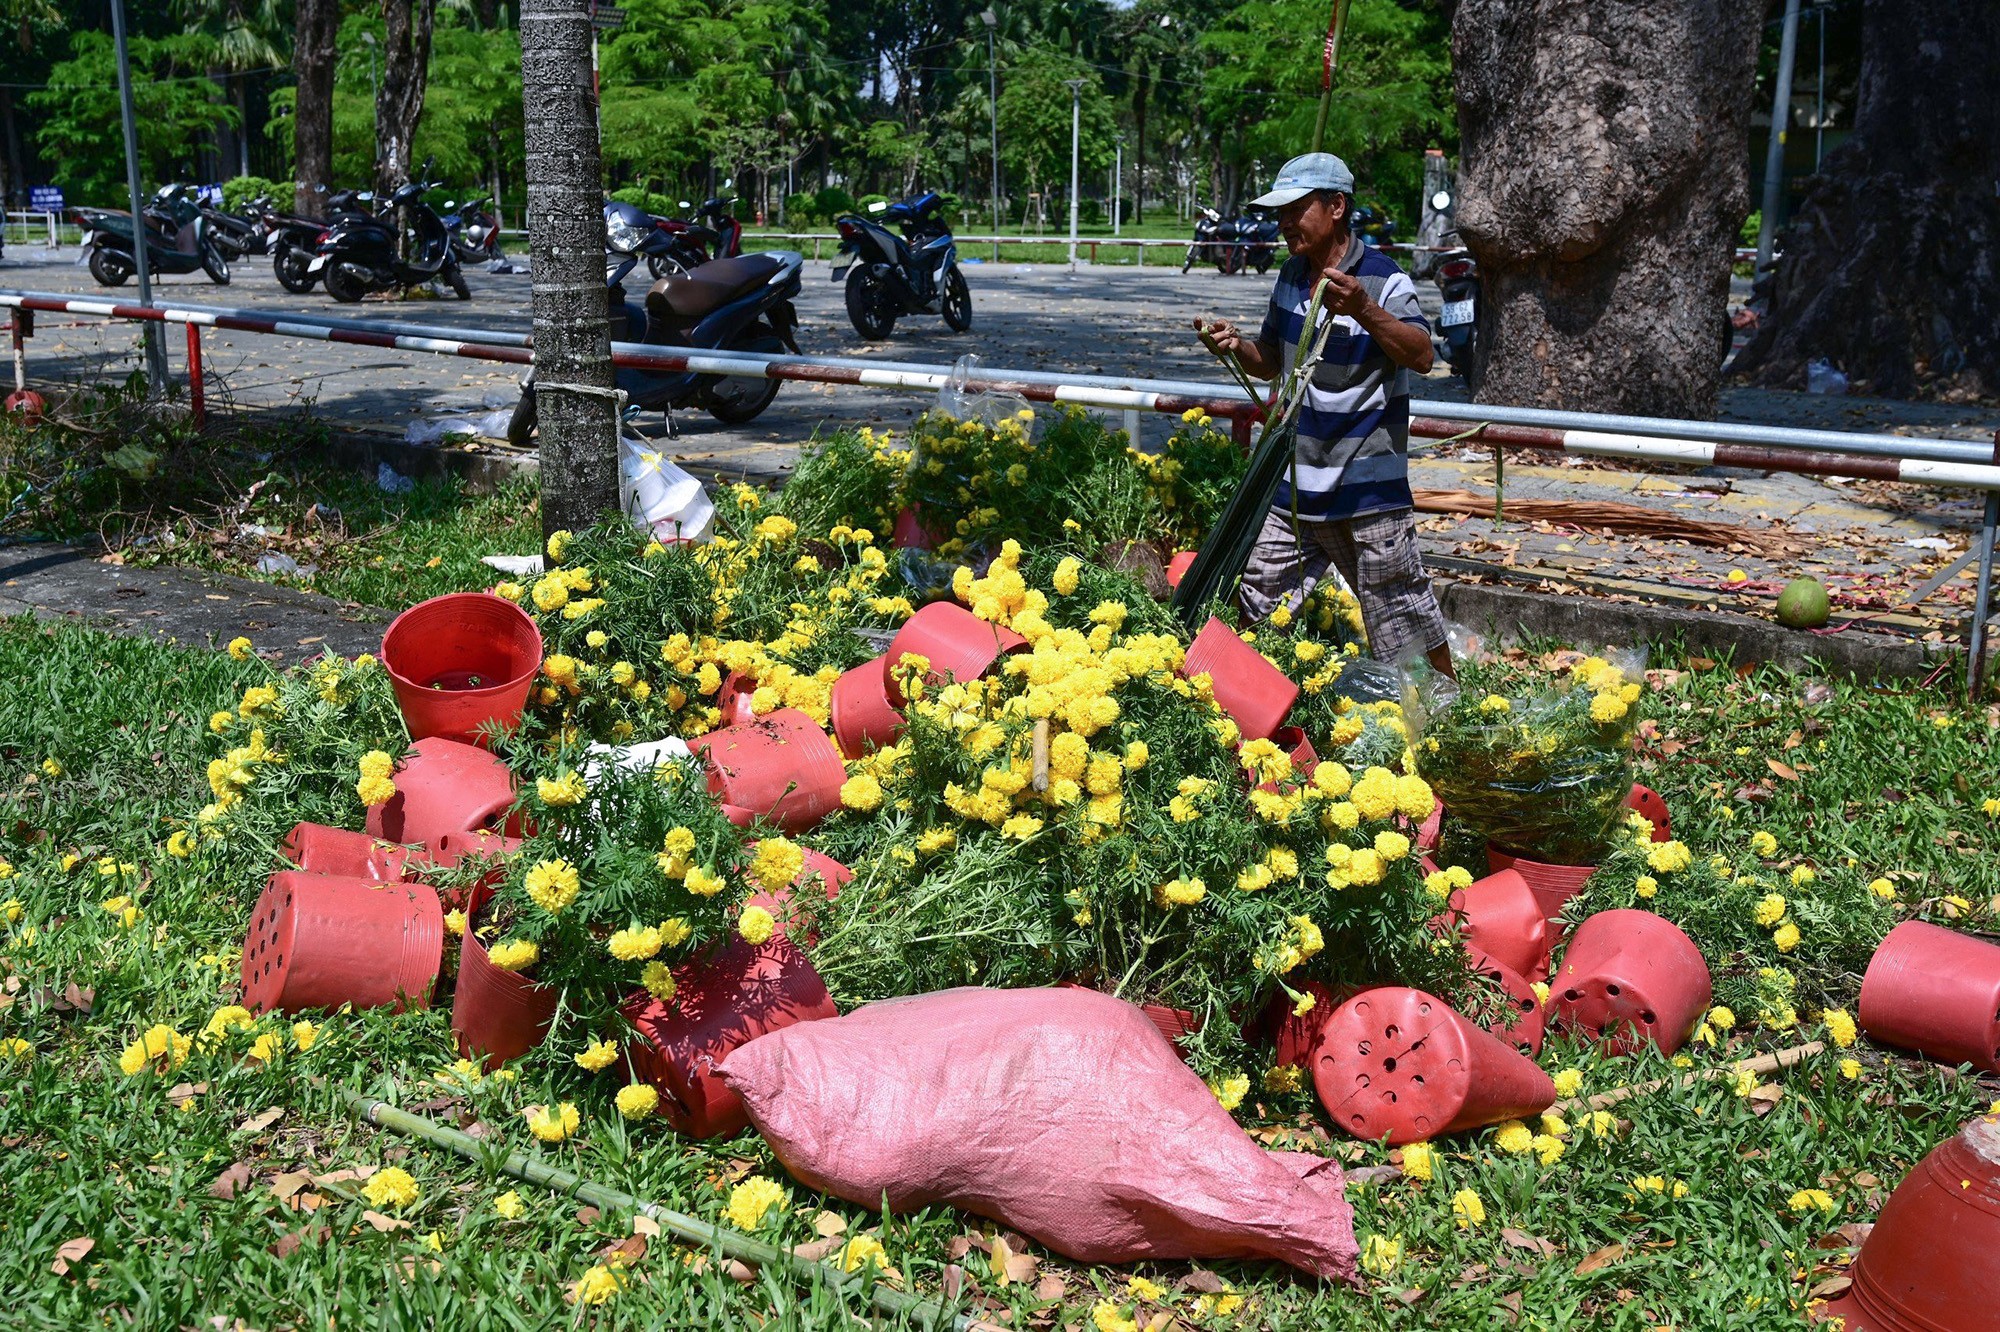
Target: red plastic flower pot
<point>1935,991</point>
<point>1525,1021</point>
<point>1400,1065</point>
<point>1254,693</point>
<point>732,699</point>
<point>1432,828</point>
<point>320,941</point>
<point>461,661</point>
<point>820,868</point>
<point>496,1014</point>
<point>452,849</point>
<point>1295,1037</point>
<point>1650,803</point>
<point>1178,566</point>
<point>780,766</point>
<point>445,786</point>
<point>1552,885</point>
<point>864,716</point>
<point>28,405</point>
<point>912,531</point>
<point>1501,917</point>
<point>1630,977</point>
<point>1932,1262</point>
<point>721,1001</point>
<point>1173,1023</point>
<point>319,849</point>
<point>958,644</point>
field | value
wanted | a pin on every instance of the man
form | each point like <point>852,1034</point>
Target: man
<point>1352,504</point>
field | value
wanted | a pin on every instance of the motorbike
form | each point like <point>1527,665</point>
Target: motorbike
<point>889,275</point>
<point>475,231</point>
<point>178,239</point>
<point>715,234</point>
<point>1257,233</point>
<point>292,240</point>
<point>404,245</point>
<point>1232,244</point>
<point>236,236</point>
<point>1457,275</point>
<point>737,304</point>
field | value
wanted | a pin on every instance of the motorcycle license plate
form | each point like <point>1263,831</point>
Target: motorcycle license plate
<point>840,268</point>
<point>1455,313</point>
<point>318,262</point>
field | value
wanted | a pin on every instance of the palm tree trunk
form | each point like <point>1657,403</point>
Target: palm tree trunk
<point>317,24</point>
<point>576,407</point>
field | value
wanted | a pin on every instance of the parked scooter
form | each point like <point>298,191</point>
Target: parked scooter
<point>741,304</point>
<point>177,239</point>
<point>292,240</point>
<point>236,235</point>
<point>1257,233</point>
<point>1232,244</point>
<point>475,231</point>
<point>1457,275</point>
<point>405,245</point>
<point>714,234</point>
<point>1209,244</point>
<point>889,275</point>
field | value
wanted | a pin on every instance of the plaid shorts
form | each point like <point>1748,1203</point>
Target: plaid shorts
<point>1376,556</point>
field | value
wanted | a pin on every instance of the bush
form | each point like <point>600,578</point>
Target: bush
<point>657,204</point>
<point>802,209</point>
<point>236,193</point>
<point>832,201</point>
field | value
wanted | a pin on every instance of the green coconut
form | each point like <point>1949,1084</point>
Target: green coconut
<point>1803,604</point>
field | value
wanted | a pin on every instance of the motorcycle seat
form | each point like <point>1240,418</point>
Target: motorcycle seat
<point>681,297</point>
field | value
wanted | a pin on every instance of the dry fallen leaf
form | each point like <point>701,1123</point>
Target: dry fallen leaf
<point>1603,1257</point>
<point>1521,1239</point>
<point>71,1251</point>
<point>1781,769</point>
<point>814,1250</point>
<point>1203,1282</point>
<point>230,1182</point>
<point>1008,1266</point>
<point>291,1181</point>
<point>385,1224</point>
<point>257,1123</point>
<point>829,1224</point>
<point>645,1225</point>
<point>624,1253</point>
<point>1051,1288</point>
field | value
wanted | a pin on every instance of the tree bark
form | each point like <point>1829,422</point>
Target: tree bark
<point>406,59</point>
<point>1603,177</point>
<point>575,404</point>
<point>1888,268</point>
<point>316,25</point>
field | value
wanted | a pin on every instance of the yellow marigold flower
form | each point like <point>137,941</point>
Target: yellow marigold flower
<point>597,1055</point>
<point>304,1036</point>
<point>1569,1082</point>
<point>553,885</point>
<point>1722,1019</point>
<point>558,545</point>
<point>1850,1069</point>
<point>597,1285</point>
<point>1365,867</point>
<point>1230,1090</point>
<point>755,924</point>
<point>1808,1200</point>
<point>1332,780</point>
<point>1021,827</point>
<point>391,1186</point>
<point>1669,857</point>
<point>1106,1316</point>
<point>375,790</point>
<point>1743,1082</point>
<point>514,954</point>
<point>1414,798</point>
<point>1381,1255</point>
<point>1065,578</point>
<point>454,922</point>
<point>219,722</point>
<point>240,649</point>
<point>778,863</point>
<point>13,1047</point>
<point>1883,889</point>
<point>1601,1123</point>
<point>553,1123</point>
<point>1840,1026</point>
<point>1419,1161</point>
<point>860,1250</point>
<point>509,1205</point>
<point>752,1200</point>
<point>1467,1210</point>
<point>1608,707</point>
<point>1181,892</point>
<point>1136,755</point>
<point>1770,911</point>
<point>1803,875</point>
<point>161,1045</point>
<point>703,882</point>
<point>180,844</point>
<point>1954,906</point>
<point>567,789</point>
<point>1786,937</point>
<point>1283,1078</point>
<point>228,1018</point>
<point>266,1047</point>
<point>1763,845</point>
<point>635,944</point>
<point>1391,846</point>
<point>658,980</point>
<point>862,793</point>
<point>1645,885</point>
<point>1514,1137</point>
<point>1495,703</point>
<point>561,669</point>
<point>1548,1147</point>
<point>550,593</point>
<point>637,1100</point>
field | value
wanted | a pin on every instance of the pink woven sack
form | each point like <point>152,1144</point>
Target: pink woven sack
<point>1062,1113</point>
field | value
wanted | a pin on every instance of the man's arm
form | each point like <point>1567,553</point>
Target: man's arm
<point>1407,344</point>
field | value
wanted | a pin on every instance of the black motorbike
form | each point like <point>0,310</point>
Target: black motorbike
<point>236,235</point>
<point>1457,275</point>
<point>292,240</point>
<point>889,275</point>
<point>1232,244</point>
<point>1257,234</point>
<point>405,245</point>
<point>178,239</point>
<point>475,231</point>
<point>742,304</point>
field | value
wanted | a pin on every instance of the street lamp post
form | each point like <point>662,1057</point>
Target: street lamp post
<point>992,21</point>
<point>1075,131</point>
<point>1117,184</point>
<point>156,357</point>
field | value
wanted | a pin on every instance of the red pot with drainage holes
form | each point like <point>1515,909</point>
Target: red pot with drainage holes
<point>1401,1065</point>
<point>1552,885</point>
<point>453,849</point>
<point>958,644</point>
<point>721,1001</point>
<point>780,766</point>
<point>1254,693</point>
<point>822,870</point>
<point>1631,977</point>
<point>1501,917</point>
<point>320,941</point>
<point>319,849</point>
<point>497,1014</point>
<point>28,405</point>
<point>1523,1021</point>
<point>1932,1261</point>
<point>1935,991</point>
<point>864,717</point>
<point>732,698</point>
<point>444,786</point>
<point>460,662</point>
<point>1645,800</point>
<point>1178,566</point>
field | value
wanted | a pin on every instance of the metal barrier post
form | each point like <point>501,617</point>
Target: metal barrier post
<point>22,326</point>
<point>197,398</point>
<point>1982,601</point>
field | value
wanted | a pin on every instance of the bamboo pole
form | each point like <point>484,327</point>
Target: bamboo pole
<point>688,1229</point>
<point>1765,1063</point>
<point>1329,61</point>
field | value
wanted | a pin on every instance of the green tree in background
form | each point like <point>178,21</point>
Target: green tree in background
<point>1035,122</point>
<point>79,130</point>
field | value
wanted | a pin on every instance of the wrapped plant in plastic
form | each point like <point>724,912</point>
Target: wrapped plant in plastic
<point>1537,759</point>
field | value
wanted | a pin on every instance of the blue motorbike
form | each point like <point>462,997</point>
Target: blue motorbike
<point>889,275</point>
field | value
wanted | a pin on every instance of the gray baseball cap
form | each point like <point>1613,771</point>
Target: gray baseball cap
<point>1304,174</point>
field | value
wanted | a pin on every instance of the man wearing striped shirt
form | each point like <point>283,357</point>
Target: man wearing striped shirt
<point>1347,499</point>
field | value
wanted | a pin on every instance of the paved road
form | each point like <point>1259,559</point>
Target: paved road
<point>1111,320</point>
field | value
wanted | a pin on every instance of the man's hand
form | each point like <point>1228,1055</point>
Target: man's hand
<point>1344,293</point>
<point>1222,333</point>
<point>1249,353</point>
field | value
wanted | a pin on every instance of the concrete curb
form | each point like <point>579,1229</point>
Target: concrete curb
<point>1510,613</point>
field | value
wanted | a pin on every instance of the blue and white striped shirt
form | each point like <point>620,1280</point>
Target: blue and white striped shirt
<point>1354,424</point>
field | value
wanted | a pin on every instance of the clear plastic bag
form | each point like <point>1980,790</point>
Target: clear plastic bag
<point>990,408</point>
<point>659,497</point>
<point>1541,769</point>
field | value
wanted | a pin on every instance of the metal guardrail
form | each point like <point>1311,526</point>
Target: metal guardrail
<point>1951,464</point>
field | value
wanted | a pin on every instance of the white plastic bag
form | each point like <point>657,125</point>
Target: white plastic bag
<point>658,496</point>
<point>1821,377</point>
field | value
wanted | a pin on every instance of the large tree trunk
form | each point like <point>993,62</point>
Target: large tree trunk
<point>1603,179</point>
<point>406,59</point>
<point>317,24</point>
<point>577,409</point>
<point>1890,268</point>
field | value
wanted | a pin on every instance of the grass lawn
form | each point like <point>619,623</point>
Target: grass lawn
<point>231,1192</point>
